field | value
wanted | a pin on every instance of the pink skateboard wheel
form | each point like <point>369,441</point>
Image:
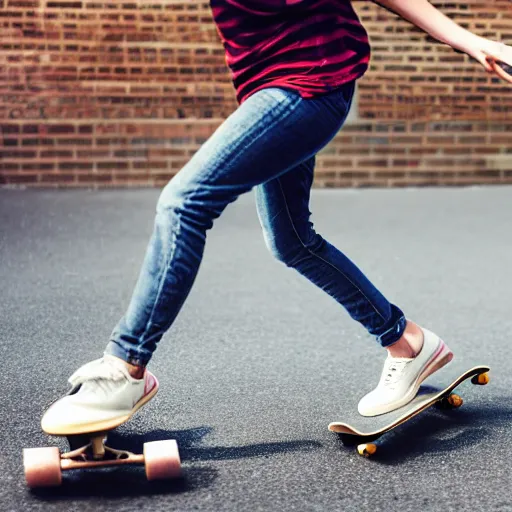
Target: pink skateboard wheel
<point>42,467</point>
<point>162,460</point>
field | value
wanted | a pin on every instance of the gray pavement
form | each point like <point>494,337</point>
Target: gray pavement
<point>259,361</point>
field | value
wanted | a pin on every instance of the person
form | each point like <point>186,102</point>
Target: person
<point>294,65</point>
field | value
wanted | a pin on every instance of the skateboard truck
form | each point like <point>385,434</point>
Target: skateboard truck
<point>44,466</point>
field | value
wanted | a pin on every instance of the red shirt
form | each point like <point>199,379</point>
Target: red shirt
<point>312,46</point>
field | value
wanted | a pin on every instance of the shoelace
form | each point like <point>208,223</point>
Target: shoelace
<point>98,370</point>
<point>394,371</point>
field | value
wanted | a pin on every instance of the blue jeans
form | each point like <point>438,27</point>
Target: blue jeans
<point>270,143</point>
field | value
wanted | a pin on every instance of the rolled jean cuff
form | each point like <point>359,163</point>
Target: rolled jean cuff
<point>114,349</point>
<point>392,330</point>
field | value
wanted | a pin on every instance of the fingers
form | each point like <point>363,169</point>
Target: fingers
<point>486,63</point>
<point>498,59</point>
<point>502,72</point>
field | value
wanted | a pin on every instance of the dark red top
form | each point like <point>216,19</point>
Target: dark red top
<point>312,46</point>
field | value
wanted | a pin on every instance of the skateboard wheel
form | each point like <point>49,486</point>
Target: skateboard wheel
<point>366,450</point>
<point>481,379</point>
<point>42,467</point>
<point>454,401</point>
<point>162,460</point>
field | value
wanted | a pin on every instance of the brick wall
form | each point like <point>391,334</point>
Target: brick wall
<point>96,93</point>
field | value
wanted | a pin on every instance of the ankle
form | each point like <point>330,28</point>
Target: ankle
<point>410,344</point>
<point>137,372</point>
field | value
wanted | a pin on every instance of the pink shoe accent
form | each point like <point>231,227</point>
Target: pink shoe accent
<point>442,357</point>
<point>150,384</point>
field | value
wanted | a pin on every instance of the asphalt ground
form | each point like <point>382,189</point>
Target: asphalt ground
<point>259,361</point>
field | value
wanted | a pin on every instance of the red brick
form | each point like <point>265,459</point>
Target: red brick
<point>84,113</point>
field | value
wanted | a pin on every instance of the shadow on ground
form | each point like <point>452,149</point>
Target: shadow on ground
<point>130,480</point>
<point>189,442</point>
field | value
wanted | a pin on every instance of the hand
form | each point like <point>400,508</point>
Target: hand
<point>501,62</point>
<point>488,53</point>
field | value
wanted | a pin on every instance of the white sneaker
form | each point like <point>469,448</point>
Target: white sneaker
<point>103,396</point>
<point>401,377</point>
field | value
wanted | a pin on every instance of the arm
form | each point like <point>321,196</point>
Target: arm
<point>428,18</point>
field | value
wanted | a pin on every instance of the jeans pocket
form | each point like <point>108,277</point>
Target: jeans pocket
<point>346,94</point>
<point>340,100</point>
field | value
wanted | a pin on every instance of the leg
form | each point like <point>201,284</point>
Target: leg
<point>414,353</point>
<point>283,210</point>
<point>271,133</point>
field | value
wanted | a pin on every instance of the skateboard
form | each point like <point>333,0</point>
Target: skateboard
<point>364,430</point>
<point>87,450</point>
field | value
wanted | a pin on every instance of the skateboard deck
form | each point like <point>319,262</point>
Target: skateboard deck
<point>44,466</point>
<point>363,429</point>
